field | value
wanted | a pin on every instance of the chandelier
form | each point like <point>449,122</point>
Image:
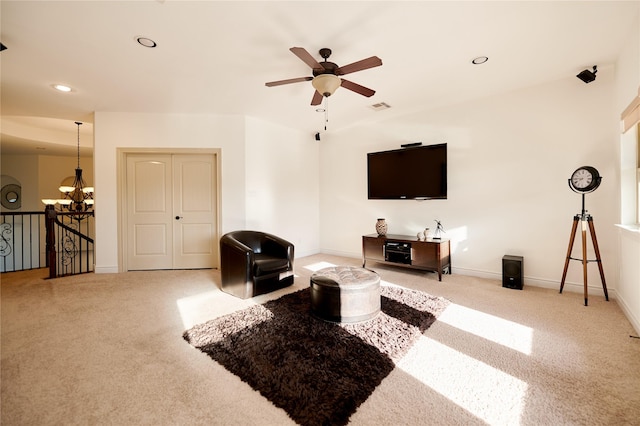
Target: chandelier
<point>78,197</point>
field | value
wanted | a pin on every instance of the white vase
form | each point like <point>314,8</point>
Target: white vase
<point>381,227</point>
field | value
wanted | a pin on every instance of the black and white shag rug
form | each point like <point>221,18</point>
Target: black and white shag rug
<point>317,371</point>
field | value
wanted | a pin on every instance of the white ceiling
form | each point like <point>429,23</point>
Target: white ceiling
<point>214,57</point>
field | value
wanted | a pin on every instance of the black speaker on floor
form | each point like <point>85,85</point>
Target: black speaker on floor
<point>512,275</point>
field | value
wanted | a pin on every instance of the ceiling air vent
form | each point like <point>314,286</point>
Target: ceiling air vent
<point>380,106</point>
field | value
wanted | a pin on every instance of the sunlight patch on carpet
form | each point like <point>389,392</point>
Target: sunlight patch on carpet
<point>484,391</point>
<point>202,306</point>
<point>320,265</point>
<point>498,330</point>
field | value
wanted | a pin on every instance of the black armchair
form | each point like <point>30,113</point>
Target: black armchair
<point>254,262</point>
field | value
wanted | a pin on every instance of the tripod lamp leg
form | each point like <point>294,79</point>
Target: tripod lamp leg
<point>584,261</point>
<point>572,239</point>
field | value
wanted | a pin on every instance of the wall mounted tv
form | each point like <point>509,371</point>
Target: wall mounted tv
<point>414,173</point>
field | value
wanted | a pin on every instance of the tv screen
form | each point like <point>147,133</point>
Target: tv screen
<point>408,173</point>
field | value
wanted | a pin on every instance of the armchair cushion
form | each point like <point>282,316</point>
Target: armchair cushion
<point>254,262</point>
<point>265,264</point>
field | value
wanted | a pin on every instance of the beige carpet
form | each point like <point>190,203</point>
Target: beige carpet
<point>108,349</point>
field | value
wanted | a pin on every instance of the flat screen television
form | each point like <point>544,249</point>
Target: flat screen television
<point>414,173</point>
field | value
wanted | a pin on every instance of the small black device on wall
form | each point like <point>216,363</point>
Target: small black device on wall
<point>318,136</point>
<point>587,75</point>
<point>512,275</point>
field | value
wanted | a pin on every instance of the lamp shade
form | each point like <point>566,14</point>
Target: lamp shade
<point>326,84</point>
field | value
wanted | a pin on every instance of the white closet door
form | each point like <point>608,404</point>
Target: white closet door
<point>171,211</point>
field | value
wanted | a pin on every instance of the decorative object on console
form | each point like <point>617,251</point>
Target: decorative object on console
<point>438,231</point>
<point>381,227</point>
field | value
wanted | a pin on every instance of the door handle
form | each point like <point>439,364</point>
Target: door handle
<point>178,217</point>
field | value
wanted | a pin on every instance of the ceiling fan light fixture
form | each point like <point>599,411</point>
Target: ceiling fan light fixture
<point>326,84</point>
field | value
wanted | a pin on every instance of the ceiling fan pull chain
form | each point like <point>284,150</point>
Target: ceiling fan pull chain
<point>326,112</point>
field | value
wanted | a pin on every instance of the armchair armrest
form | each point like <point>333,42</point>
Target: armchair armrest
<point>279,247</point>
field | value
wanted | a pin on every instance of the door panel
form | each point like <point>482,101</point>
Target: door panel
<point>150,240</point>
<point>149,212</point>
<point>171,211</point>
<point>194,195</point>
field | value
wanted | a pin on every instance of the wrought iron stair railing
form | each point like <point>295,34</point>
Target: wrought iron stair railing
<point>69,247</point>
<point>21,241</point>
<point>62,242</point>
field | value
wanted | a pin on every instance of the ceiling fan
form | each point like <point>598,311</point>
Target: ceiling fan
<point>326,74</point>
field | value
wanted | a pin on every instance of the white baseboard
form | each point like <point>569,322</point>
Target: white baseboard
<point>105,269</point>
<point>635,322</point>
<point>539,282</point>
<point>532,281</point>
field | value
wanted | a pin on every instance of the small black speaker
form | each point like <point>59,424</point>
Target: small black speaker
<point>512,275</point>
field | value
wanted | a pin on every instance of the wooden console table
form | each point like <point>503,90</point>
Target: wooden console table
<point>409,252</point>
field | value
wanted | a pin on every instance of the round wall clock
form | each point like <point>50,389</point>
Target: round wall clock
<point>585,179</point>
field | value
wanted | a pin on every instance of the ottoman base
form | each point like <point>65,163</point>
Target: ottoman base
<point>345,294</point>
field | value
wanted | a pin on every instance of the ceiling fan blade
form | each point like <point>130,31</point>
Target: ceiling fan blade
<point>364,91</point>
<point>306,57</point>
<point>317,98</point>
<point>364,64</point>
<point>289,81</point>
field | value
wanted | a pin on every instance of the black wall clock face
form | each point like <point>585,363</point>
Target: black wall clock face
<point>585,179</point>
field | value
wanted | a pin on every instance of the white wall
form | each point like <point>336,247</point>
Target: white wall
<point>24,169</point>
<point>282,187</point>
<point>41,175</point>
<point>509,160</point>
<point>627,86</point>
<point>125,130</point>
<point>269,173</point>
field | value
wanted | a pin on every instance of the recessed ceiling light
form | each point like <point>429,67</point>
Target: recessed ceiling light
<point>146,42</point>
<point>479,60</point>
<point>62,87</point>
<point>320,110</point>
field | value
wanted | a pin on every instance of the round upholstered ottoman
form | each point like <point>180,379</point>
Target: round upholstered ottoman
<point>345,294</point>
